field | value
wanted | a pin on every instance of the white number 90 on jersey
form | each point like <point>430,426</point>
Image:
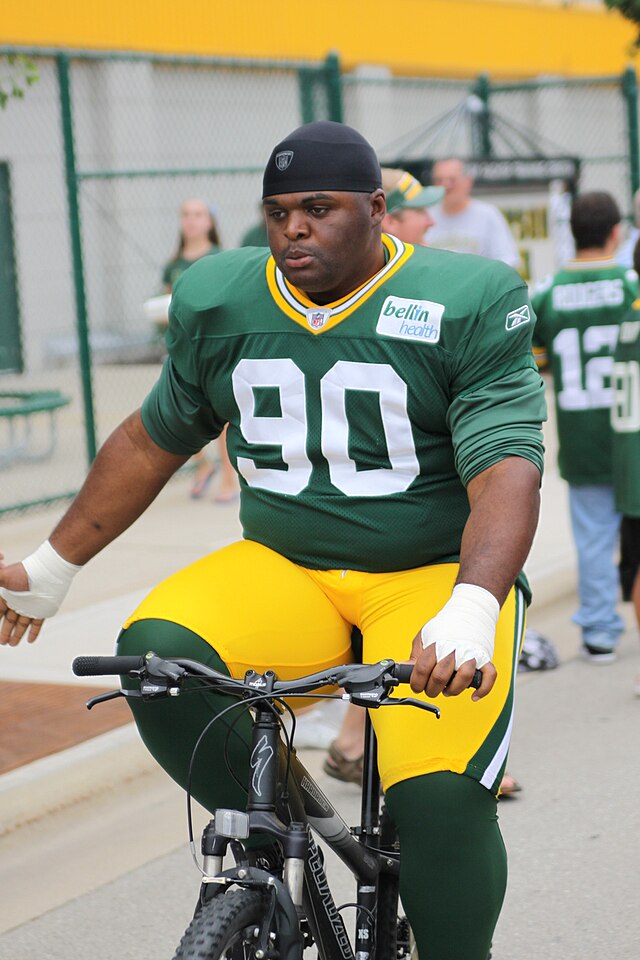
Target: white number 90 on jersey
<point>290,430</point>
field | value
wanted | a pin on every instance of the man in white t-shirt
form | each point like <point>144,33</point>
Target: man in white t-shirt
<point>465,225</point>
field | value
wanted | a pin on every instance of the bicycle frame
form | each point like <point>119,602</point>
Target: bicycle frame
<point>360,853</point>
<point>303,895</point>
<point>305,890</point>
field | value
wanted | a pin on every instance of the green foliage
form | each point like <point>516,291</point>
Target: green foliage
<point>628,8</point>
<point>16,72</point>
<point>631,10</point>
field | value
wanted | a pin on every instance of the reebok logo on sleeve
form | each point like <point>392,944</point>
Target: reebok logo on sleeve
<point>517,317</point>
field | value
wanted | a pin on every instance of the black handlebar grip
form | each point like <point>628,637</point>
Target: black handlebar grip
<point>403,671</point>
<point>105,666</point>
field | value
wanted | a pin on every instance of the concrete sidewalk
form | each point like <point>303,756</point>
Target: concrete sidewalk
<point>115,879</point>
<point>172,533</point>
<point>175,531</point>
<point>103,805</point>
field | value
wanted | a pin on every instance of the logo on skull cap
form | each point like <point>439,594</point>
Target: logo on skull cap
<point>283,159</point>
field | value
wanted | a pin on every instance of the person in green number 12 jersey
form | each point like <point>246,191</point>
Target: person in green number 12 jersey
<point>579,312</point>
<point>384,414</point>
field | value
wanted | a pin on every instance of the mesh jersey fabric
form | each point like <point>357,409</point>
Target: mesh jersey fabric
<point>355,426</point>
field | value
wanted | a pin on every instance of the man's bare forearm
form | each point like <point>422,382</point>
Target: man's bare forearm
<point>505,505</point>
<point>127,475</point>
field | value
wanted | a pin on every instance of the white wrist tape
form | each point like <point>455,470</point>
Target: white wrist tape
<point>466,625</point>
<point>50,577</point>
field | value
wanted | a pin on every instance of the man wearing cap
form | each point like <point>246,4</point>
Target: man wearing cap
<point>384,418</point>
<point>408,202</point>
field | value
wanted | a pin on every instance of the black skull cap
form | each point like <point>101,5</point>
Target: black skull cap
<point>322,156</point>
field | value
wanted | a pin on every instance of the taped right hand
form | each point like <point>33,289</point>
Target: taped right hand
<point>31,591</point>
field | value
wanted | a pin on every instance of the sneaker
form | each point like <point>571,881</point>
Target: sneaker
<point>598,654</point>
<point>538,653</point>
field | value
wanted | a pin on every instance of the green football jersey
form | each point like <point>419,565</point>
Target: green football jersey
<point>579,312</point>
<point>625,415</point>
<point>354,426</point>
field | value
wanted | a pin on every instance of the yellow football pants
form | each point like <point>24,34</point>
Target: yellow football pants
<point>258,610</point>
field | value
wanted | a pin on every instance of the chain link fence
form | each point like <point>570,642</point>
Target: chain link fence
<point>587,119</point>
<point>592,119</point>
<point>529,145</point>
<point>98,157</point>
<point>97,160</point>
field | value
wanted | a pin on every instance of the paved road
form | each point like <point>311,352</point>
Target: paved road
<point>573,837</point>
<point>105,873</point>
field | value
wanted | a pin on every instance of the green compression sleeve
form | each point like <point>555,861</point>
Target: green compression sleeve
<point>453,870</point>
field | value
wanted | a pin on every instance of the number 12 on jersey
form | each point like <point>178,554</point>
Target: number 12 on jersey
<point>592,394</point>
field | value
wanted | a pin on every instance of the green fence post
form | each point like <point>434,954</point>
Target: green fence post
<point>630,93</point>
<point>62,62</point>
<point>334,87</point>
<point>306,82</point>
<point>482,125</point>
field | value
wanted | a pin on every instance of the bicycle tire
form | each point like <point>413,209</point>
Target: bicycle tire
<point>394,937</point>
<point>222,928</point>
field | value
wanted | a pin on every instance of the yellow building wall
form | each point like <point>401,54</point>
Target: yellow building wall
<point>507,38</point>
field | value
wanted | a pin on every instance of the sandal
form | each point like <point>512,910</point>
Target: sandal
<point>227,496</point>
<point>336,765</point>
<point>201,483</point>
<point>508,786</point>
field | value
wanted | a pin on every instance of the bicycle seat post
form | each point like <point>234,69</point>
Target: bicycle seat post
<point>370,808</point>
<point>369,836</point>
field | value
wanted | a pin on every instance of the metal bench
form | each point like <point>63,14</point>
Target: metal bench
<point>18,410</point>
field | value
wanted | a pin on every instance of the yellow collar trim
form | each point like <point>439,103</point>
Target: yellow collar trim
<point>592,263</point>
<point>317,318</point>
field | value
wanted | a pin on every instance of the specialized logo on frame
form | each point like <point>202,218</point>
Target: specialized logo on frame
<point>283,159</point>
<point>260,760</point>
<point>405,319</point>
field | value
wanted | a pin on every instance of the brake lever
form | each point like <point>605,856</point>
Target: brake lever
<point>103,697</point>
<point>411,702</point>
<point>147,691</point>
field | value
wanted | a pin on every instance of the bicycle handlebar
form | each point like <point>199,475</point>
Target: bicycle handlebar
<point>175,669</point>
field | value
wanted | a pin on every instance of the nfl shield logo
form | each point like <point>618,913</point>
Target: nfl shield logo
<point>283,159</point>
<point>317,318</point>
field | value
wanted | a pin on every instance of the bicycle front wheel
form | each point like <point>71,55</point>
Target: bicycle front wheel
<point>224,928</point>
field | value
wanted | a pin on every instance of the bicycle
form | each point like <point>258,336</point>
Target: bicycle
<point>275,902</point>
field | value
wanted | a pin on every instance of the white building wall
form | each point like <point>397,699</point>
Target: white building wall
<point>133,115</point>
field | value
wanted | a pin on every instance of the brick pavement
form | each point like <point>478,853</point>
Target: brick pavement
<point>38,719</point>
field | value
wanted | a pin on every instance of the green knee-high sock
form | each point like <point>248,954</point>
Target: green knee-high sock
<point>453,871</point>
<point>171,727</point>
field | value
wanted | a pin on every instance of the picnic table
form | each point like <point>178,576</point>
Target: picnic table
<point>19,412</point>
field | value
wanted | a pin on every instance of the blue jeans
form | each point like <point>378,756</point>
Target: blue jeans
<point>595,526</point>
